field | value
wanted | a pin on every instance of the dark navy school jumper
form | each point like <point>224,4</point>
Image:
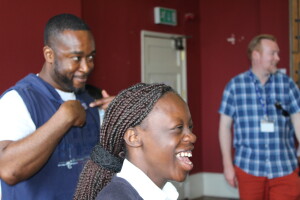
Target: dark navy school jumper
<point>58,178</point>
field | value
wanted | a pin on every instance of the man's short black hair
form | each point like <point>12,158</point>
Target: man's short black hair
<point>60,23</point>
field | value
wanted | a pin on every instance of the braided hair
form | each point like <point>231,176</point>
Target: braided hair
<point>128,109</point>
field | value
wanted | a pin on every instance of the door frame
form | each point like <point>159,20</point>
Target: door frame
<point>144,34</point>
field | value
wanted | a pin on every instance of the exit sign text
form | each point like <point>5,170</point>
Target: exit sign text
<point>165,16</point>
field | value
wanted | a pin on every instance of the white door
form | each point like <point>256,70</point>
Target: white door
<point>164,60</point>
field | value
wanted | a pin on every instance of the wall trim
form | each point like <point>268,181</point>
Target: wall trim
<point>206,184</point>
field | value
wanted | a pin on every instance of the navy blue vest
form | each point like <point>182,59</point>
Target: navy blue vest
<point>58,178</point>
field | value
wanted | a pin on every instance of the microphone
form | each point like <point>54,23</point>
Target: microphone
<point>283,111</point>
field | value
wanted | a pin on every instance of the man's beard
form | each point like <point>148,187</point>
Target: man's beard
<point>65,82</point>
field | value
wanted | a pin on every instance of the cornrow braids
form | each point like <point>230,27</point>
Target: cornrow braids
<point>128,109</point>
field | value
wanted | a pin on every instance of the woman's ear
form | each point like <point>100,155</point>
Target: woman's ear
<point>132,137</point>
<point>48,54</point>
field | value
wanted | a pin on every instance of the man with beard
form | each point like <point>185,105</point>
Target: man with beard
<point>49,123</point>
<point>264,106</point>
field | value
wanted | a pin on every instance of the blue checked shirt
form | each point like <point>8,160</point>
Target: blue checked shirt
<point>258,153</point>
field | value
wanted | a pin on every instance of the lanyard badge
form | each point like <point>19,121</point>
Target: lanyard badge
<point>266,125</point>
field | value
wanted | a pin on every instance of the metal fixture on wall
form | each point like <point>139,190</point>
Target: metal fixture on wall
<point>178,44</point>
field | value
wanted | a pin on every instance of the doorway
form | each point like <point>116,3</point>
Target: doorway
<point>295,40</point>
<point>164,60</point>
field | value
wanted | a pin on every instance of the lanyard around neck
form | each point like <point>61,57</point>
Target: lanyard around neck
<point>260,95</point>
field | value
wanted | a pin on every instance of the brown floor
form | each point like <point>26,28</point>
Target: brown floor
<point>213,198</point>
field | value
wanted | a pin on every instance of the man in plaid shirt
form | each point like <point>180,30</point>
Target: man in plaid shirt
<point>263,105</point>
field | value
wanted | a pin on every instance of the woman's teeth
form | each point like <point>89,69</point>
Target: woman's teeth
<point>184,154</point>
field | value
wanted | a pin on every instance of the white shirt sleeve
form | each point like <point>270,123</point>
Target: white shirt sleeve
<point>15,119</point>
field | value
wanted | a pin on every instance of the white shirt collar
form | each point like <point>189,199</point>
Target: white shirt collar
<point>66,96</point>
<point>144,185</point>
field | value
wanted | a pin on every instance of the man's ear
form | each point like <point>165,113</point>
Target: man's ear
<point>48,54</point>
<point>255,54</point>
<point>132,137</point>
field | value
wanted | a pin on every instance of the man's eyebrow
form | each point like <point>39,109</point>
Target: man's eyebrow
<point>93,52</point>
<point>76,52</point>
<point>81,52</point>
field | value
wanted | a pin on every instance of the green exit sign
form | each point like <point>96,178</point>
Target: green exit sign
<point>165,16</point>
